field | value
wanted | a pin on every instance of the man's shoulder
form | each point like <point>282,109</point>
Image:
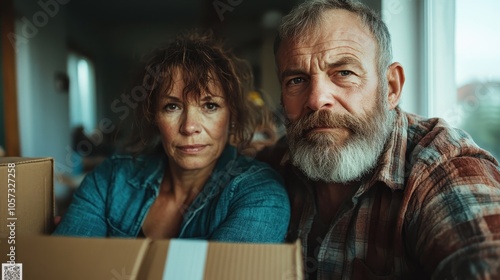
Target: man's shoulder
<point>432,140</point>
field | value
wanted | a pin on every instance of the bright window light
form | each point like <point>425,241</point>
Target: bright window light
<point>82,92</point>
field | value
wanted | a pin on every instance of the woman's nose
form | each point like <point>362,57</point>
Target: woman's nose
<point>191,123</point>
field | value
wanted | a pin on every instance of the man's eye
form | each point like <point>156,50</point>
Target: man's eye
<point>345,73</point>
<point>296,81</point>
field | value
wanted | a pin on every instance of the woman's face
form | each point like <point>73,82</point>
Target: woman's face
<point>193,133</point>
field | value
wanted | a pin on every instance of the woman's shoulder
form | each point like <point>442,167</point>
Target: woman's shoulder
<point>247,169</point>
<point>251,180</point>
<point>252,163</point>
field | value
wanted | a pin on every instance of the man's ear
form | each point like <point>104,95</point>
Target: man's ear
<point>395,80</point>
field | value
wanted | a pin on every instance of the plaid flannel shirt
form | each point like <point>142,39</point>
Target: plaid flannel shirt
<point>430,210</point>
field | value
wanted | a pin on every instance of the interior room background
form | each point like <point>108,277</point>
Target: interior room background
<point>68,65</point>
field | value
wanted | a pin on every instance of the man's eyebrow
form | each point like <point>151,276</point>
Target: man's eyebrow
<point>343,61</point>
<point>291,72</point>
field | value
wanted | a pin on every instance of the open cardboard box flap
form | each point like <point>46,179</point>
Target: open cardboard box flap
<point>56,257</point>
<point>30,183</point>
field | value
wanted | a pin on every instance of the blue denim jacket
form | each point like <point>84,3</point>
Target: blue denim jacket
<point>243,201</point>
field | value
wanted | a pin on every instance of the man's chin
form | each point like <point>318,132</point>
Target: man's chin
<point>334,163</point>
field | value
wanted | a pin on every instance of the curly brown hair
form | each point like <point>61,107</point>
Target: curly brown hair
<point>203,60</point>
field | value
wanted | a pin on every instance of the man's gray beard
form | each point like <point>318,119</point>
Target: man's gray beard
<point>320,158</point>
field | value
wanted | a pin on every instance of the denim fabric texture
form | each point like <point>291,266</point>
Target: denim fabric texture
<point>243,201</point>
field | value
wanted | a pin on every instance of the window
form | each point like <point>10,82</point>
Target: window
<point>82,92</point>
<point>477,74</point>
<point>449,50</point>
<point>463,61</point>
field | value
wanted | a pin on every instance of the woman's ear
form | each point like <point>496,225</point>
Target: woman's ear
<point>395,80</point>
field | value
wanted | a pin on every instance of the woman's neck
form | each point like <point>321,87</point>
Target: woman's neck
<point>184,185</point>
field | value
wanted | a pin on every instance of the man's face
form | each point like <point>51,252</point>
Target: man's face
<point>333,100</point>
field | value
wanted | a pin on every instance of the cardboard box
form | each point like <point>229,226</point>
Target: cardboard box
<point>26,191</point>
<point>56,257</point>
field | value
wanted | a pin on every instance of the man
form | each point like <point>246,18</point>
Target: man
<point>377,193</point>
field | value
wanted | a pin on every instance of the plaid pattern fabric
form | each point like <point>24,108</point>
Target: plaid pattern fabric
<point>430,210</point>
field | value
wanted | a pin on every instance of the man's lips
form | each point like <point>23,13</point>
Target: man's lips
<point>322,129</point>
<point>191,148</point>
<point>318,129</point>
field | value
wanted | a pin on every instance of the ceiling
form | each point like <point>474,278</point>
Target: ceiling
<point>134,26</point>
<point>206,12</point>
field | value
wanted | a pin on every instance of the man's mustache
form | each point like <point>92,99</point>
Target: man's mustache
<point>324,119</point>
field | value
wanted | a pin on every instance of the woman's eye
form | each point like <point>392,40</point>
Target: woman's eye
<point>211,106</point>
<point>170,107</point>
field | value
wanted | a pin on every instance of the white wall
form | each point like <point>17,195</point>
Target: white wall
<point>43,111</point>
<point>402,18</point>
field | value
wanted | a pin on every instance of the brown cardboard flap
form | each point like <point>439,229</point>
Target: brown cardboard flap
<point>253,261</point>
<point>154,261</point>
<point>62,258</point>
<point>54,258</point>
<point>34,196</point>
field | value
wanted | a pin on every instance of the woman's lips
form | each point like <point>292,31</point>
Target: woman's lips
<point>191,148</point>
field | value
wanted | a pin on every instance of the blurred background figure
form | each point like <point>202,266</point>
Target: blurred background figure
<point>268,126</point>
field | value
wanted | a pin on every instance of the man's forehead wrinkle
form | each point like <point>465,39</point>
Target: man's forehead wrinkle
<point>341,43</point>
<point>345,58</point>
<point>325,52</point>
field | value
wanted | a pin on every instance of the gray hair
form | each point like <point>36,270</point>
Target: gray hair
<point>308,15</point>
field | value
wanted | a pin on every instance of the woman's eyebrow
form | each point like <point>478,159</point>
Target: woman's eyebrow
<point>169,98</point>
<point>211,97</point>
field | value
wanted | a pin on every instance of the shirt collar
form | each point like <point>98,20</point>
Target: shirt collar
<point>148,171</point>
<point>391,164</point>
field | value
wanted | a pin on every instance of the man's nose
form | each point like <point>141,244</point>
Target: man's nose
<point>321,95</point>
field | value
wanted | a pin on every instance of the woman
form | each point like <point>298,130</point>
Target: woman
<point>185,180</point>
